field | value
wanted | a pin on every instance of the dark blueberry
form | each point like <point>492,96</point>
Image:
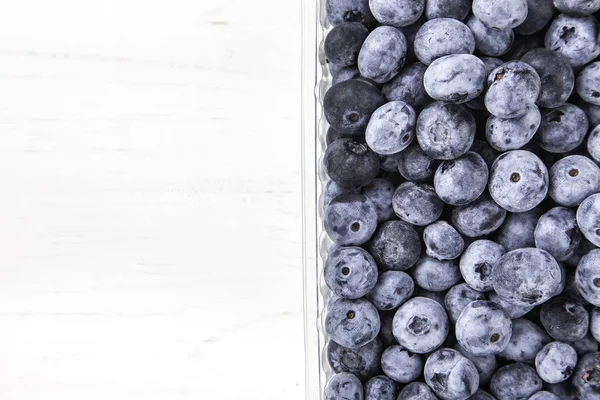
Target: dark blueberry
<point>386,334</point>
<point>478,261</point>
<point>588,219</point>
<point>389,162</point>
<point>524,44</point>
<point>417,203</point>
<point>410,32</point>
<point>500,13</point>
<point>350,163</point>
<point>345,74</point>
<point>442,241</point>
<point>526,341</point>
<point>571,288</point>
<point>451,375</point>
<point>564,319</point>
<point>483,328</point>
<point>392,289</point>
<point>564,391</point>
<point>481,395</point>
<point>573,179</point>
<point>539,13</point>
<point>587,277</point>
<point>585,345</point>
<point>435,296</point>
<point>557,233</point>
<point>441,37</point>
<point>505,134</point>
<point>417,391</point>
<point>380,192</point>
<point>595,323</point>
<point>586,377</point>
<point>350,219</point>
<point>478,103</point>
<point>343,43</point>
<point>398,13</point>
<point>487,152</point>
<point>518,181</point>
<point>351,323</point>
<point>479,218</point>
<point>445,131</point>
<point>339,11</point>
<point>527,276</point>
<point>415,165</point>
<point>391,128</point>
<point>382,54</point>
<point>556,74</point>
<point>332,190</point>
<point>421,325</point>
<point>486,365</point>
<point>462,180</point>
<point>435,275</point>
<point>593,144</point>
<point>588,83</point>
<point>348,105</point>
<point>576,38</point>
<point>512,310</point>
<point>513,87</point>
<point>555,362</point>
<point>333,135</point>
<point>544,395</point>
<point>350,272</point>
<point>456,78</point>
<point>577,8</point>
<point>458,297</point>
<point>401,365</point>
<point>344,386</point>
<point>408,86</point>
<point>515,381</point>
<point>395,245</point>
<point>490,41</point>
<point>562,129</point>
<point>381,388</point>
<point>517,230</point>
<point>363,362</point>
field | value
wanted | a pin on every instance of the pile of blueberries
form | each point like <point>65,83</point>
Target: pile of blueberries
<point>463,200</point>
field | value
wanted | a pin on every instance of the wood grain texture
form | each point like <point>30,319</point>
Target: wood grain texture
<point>150,227</point>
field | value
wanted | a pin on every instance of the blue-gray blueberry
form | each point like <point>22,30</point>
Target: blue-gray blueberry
<point>362,362</point>
<point>562,129</point>
<point>526,341</point>
<point>478,218</point>
<point>557,233</point>
<point>381,388</point>
<point>555,362</point>
<point>588,83</point>
<point>380,192</point>
<point>441,37</point>
<point>351,323</point>
<point>344,386</point>
<point>490,41</point>
<point>483,328</point>
<point>391,128</point>
<point>382,54</point>
<point>500,14</point>
<point>505,134</point>
<point>350,219</point>
<point>442,241</point>
<point>556,74</point>
<point>392,289</point>
<point>350,272</point>
<point>576,38</point>
<point>573,179</point>
<point>401,365</point>
<point>451,375</point>
<point>435,275</point>
<point>458,297</point>
<point>421,325</point>
<point>455,78</point>
<point>395,245</point>
<point>415,165</point>
<point>515,381</point>
<point>408,86</point>
<point>417,203</point>
<point>477,263</point>
<point>398,13</point>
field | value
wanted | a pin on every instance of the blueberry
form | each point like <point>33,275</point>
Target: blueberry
<point>381,388</point>
<point>577,8</point>
<point>389,162</point>
<point>479,218</point>
<point>556,74</point>
<point>527,276</point>
<point>513,87</point>
<point>564,391</point>
<point>481,395</point>
<point>458,297</point>
<point>576,38</point>
<point>351,323</point>
<point>571,288</point>
<point>441,37</point>
<point>573,179</point>
<point>539,13</point>
<point>415,165</point>
<point>562,129</point>
<point>348,105</point>
<point>380,192</point>
<point>512,133</point>
<point>339,11</point>
<point>435,275</point>
<point>526,341</point>
<point>455,9</point>
<point>490,41</point>
<point>386,334</point>
<point>395,245</point>
<point>486,365</point>
<point>544,395</point>
<point>512,310</point>
<point>350,219</point>
<point>401,365</point>
<point>483,328</point>
<point>344,386</point>
<point>417,391</point>
<point>588,83</point>
<point>408,86</point>
<point>442,241</point>
<point>421,325</point>
<point>398,13</point>
<point>445,131</point>
<point>350,163</point>
<point>410,32</point>
<point>451,375</point>
<point>518,181</point>
<point>332,190</point>
<point>499,13</point>
<point>588,219</point>
<point>350,272</point>
<point>382,54</point>
<point>595,323</point>
<point>515,381</point>
<point>517,230</point>
<point>478,103</point>
<point>392,289</point>
<point>333,135</point>
<point>587,277</point>
<point>462,180</point>
<point>487,152</point>
<point>592,111</point>
<point>435,296</point>
<point>586,377</point>
<point>417,203</point>
<point>343,43</point>
<point>585,345</point>
<point>363,362</point>
<point>477,263</point>
<point>524,44</point>
<point>391,128</point>
<point>593,144</point>
<point>564,319</point>
<point>555,362</point>
<point>456,78</point>
<point>557,233</point>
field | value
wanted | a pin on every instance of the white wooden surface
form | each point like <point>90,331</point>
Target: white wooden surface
<point>150,200</point>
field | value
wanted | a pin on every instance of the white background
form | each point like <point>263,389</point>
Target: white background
<point>150,222</point>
